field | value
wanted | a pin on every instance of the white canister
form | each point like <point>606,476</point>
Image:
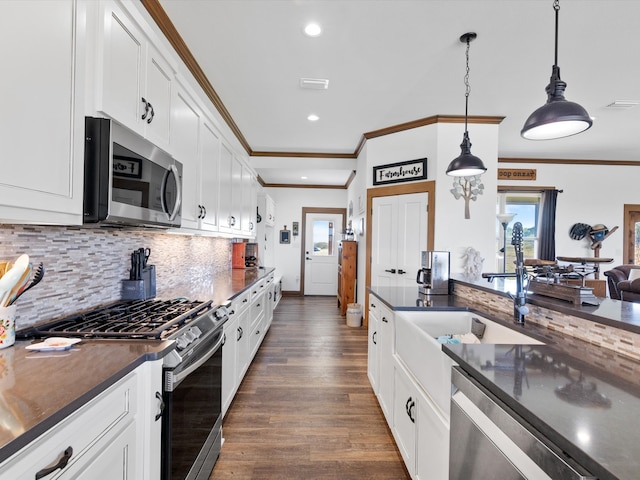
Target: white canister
<point>7,326</point>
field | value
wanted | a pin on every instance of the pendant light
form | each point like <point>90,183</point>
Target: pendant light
<point>558,117</point>
<point>466,164</point>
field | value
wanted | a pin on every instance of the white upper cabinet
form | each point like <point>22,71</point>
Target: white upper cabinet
<point>134,80</point>
<point>187,121</point>
<point>43,85</point>
<point>249,202</point>
<point>209,178</point>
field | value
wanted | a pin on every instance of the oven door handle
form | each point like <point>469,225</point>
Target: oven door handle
<point>178,377</point>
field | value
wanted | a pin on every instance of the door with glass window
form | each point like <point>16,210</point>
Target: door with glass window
<point>322,233</point>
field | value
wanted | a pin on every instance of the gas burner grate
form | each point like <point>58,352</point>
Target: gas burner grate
<point>150,319</point>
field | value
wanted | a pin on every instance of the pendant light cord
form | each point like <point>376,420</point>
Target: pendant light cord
<point>467,88</point>
<point>556,7</point>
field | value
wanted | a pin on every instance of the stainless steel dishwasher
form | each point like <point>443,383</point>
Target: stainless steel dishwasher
<point>488,441</point>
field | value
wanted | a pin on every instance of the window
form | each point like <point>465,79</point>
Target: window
<point>526,207</point>
<point>322,237</point>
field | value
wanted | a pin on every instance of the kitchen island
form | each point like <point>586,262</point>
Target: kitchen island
<point>576,393</point>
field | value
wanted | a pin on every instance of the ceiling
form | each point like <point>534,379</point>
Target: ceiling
<point>389,62</point>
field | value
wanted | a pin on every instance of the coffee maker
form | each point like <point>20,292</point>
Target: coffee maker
<point>433,277</point>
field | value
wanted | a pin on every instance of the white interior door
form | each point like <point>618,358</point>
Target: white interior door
<point>412,236</point>
<point>399,235</point>
<point>322,234</point>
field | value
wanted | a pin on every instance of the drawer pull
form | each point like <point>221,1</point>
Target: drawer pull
<point>66,456</point>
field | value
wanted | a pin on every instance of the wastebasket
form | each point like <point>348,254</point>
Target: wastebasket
<point>354,315</point>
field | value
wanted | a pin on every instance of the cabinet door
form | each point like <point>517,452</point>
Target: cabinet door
<point>249,203</point>
<point>186,133</point>
<point>122,46</point>
<point>236,195</point>
<point>224,206</point>
<point>432,450</point>
<point>372,356</point>
<point>41,179</point>
<point>158,92</point>
<point>386,363</point>
<point>209,177</point>
<point>405,407</point>
<point>243,334</point>
<point>229,361</point>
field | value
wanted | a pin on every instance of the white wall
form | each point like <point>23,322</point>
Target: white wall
<point>440,143</point>
<point>592,194</point>
<point>289,203</point>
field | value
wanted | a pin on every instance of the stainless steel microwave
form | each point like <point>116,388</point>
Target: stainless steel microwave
<point>128,180</point>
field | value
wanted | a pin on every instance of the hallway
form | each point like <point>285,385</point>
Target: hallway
<point>305,409</point>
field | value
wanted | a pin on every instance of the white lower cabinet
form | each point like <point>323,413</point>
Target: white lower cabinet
<point>113,436</point>
<point>421,434</point>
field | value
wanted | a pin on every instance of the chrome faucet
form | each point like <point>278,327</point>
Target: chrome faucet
<point>520,308</point>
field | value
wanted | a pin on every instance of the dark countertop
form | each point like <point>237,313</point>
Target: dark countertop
<point>602,439</point>
<point>39,389</point>
<point>586,411</point>
<point>615,313</point>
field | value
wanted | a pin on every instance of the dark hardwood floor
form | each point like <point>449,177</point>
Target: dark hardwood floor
<point>305,409</point>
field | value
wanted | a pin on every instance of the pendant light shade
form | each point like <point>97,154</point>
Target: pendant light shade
<point>557,118</point>
<point>466,164</point>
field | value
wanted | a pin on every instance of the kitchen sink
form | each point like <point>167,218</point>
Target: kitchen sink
<point>417,347</point>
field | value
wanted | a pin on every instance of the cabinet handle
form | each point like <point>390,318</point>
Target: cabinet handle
<point>239,333</point>
<point>205,211</point>
<point>393,270</point>
<point>409,406</point>
<point>384,319</point>
<point>224,339</point>
<point>250,225</point>
<point>146,108</point>
<point>373,338</point>
<point>159,414</point>
<point>373,305</point>
<point>58,466</point>
<point>231,221</point>
<point>153,114</point>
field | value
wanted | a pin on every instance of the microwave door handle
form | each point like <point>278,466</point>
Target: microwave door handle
<point>173,170</point>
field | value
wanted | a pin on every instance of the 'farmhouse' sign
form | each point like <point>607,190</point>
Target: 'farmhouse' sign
<point>400,172</point>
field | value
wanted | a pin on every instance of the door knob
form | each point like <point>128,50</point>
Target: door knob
<point>400,272</point>
<point>308,258</point>
<point>393,270</point>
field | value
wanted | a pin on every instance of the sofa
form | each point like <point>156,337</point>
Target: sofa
<point>624,282</point>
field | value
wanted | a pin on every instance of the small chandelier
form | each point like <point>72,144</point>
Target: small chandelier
<point>558,117</point>
<point>466,164</point>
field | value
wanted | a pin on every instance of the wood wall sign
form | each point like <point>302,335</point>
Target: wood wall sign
<point>517,173</point>
<point>400,172</point>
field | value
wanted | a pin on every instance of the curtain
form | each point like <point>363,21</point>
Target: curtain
<point>548,225</point>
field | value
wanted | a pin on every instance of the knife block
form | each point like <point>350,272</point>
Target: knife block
<point>133,290</point>
<point>141,289</point>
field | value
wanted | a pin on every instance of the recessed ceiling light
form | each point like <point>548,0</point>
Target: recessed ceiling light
<point>312,30</point>
<point>303,177</point>
<point>313,117</point>
<point>623,104</point>
<point>314,83</point>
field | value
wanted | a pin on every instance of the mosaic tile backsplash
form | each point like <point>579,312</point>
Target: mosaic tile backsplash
<point>84,267</point>
<point>620,341</point>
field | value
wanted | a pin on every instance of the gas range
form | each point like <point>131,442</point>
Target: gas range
<point>138,319</point>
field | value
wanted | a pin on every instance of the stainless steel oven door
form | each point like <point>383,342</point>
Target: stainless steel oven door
<point>192,422</point>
